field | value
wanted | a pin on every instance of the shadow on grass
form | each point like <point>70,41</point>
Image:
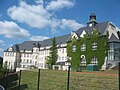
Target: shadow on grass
<point>10,82</point>
<point>22,87</point>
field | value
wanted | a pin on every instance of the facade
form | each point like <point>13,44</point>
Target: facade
<point>34,53</point>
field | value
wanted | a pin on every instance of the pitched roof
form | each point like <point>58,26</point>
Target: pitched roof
<point>113,38</point>
<point>14,47</point>
<point>59,40</point>
<point>101,27</point>
<point>28,45</point>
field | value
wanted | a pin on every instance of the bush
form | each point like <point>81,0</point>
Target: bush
<point>3,70</point>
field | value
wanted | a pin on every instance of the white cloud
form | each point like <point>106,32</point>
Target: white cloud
<point>1,41</point>
<point>11,30</point>
<point>1,50</point>
<point>38,16</point>
<point>38,38</point>
<point>33,15</point>
<point>72,24</point>
<point>59,4</point>
<point>39,1</point>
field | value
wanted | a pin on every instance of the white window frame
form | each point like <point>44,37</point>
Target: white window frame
<point>74,48</point>
<point>83,47</point>
<point>94,46</point>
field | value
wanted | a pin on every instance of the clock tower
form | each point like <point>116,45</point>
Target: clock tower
<point>92,20</point>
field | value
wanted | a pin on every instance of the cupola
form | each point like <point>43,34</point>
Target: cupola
<point>92,20</point>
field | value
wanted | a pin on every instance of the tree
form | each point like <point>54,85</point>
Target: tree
<point>52,58</point>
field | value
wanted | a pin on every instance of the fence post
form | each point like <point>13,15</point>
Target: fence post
<point>119,74</point>
<point>68,77</point>
<point>6,79</point>
<point>38,80</point>
<point>19,80</point>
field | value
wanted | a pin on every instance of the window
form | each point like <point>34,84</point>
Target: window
<point>12,54</point>
<point>63,50</point>
<point>82,61</point>
<point>24,55</point>
<point>59,58</point>
<point>27,55</point>
<point>41,64</point>
<point>34,50</point>
<point>30,61</point>
<point>94,46</point>
<point>37,50</point>
<point>24,60</point>
<point>35,63</point>
<point>83,47</point>
<point>36,57</point>
<point>23,66</point>
<point>62,58</point>
<point>59,50</point>
<point>74,48</point>
<point>27,60</point>
<point>94,61</point>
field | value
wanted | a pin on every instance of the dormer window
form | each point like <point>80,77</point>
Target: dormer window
<point>94,46</point>
<point>10,49</point>
<point>83,47</point>
<point>74,48</point>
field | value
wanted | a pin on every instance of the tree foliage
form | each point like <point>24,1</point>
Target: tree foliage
<point>52,58</point>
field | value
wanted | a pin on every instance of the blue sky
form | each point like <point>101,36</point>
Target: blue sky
<point>23,20</point>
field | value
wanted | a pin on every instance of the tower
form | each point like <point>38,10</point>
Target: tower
<point>92,20</point>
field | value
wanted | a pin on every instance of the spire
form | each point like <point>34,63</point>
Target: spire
<point>92,17</point>
<point>92,20</point>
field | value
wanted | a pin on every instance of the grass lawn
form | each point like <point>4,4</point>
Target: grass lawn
<point>57,80</point>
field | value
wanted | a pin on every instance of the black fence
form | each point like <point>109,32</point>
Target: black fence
<point>62,80</point>
<point>9,81</point>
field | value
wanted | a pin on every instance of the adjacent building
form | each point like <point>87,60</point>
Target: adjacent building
<point>86,44</point>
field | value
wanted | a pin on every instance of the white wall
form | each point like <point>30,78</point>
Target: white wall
<point>36,58</point>
<point>10,57</point>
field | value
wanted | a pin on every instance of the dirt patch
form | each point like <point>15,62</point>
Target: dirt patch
<point>97,73</point>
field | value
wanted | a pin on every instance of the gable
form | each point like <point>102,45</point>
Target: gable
<point>82,34</point>
<point>112,30</point>
<point>74,35</point>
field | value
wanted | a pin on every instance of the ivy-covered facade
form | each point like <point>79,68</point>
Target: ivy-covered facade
<point>90,49</point>
<point>91,45</point>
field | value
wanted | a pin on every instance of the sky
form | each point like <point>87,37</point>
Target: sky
<point>36,20</point>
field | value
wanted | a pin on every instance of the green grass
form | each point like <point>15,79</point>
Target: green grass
<point>57,80</point>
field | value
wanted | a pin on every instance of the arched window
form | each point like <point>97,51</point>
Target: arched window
<point>83,47</point>
<point>82,60</point>
<point>94,46</point>
<point>74,48</point>
<point>94,61</point>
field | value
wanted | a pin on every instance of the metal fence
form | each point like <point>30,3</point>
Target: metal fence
<point>9,81</point>
<point>62,80</point>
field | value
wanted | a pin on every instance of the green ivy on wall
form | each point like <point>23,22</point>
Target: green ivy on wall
<point>100,53</point>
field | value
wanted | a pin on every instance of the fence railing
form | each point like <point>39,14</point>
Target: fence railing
<point>62,80</point>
